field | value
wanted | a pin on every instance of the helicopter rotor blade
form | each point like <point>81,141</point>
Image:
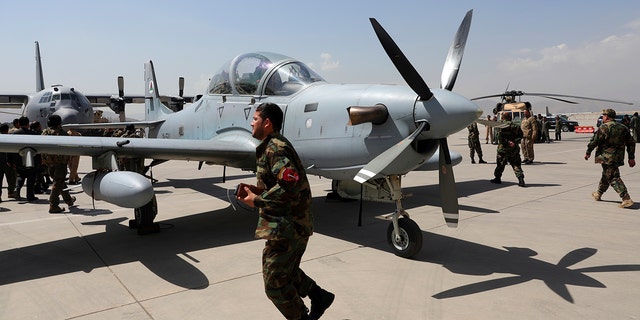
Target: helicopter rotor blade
<point>554,96</point>
<point>548,95</point>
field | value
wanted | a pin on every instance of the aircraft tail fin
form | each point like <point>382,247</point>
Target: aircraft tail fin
<point>154,109</point>
<point>39,77</point>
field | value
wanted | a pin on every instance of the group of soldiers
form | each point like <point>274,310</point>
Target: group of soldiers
<point>609,142</point>
<point>49,170</point>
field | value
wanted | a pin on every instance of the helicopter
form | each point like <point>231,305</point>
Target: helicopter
<point>511,101</point>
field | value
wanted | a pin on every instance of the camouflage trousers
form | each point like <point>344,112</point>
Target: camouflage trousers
<point>58,173</point>
<point>501,162</point>
<point>611,177</point>
<point>284,282</point>
<point>474,147</point>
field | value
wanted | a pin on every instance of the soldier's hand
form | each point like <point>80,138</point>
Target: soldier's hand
<point>632,163</point>
<point>586,156</point>
<point>246,196</point>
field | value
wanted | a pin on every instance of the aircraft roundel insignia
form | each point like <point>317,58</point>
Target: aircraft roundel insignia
<point>150,86</point>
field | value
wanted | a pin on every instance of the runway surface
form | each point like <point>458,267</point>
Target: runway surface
<point>547,251</point>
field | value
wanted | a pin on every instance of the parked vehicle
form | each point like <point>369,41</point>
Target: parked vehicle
<point>567,125</point>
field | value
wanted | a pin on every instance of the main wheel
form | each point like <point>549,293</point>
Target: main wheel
<point>409,241</point>
<point>565,128</point>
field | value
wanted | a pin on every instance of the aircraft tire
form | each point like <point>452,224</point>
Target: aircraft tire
<point>410,241</point>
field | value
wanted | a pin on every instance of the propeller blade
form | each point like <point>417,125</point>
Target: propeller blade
<point>383,160</point>
<point>180,86</point>
<point>448,193</point>
<point>407,71</point>
<point>454,58</point>
<point>121,86</point>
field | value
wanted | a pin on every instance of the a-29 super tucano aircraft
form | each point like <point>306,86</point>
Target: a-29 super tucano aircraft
<point>377,133</point>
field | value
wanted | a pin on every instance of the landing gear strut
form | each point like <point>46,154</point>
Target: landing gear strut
<point>403,234</point>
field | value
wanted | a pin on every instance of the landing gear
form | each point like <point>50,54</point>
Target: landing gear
<point>407,241</point>
<point>403,234</point>
<point>144,218</point>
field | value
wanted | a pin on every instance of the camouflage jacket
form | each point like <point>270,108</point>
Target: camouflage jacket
<point>51,159</point>
<point>285,204</point>
<point>511,132</point>
<point>610,141</point>
<point>473,131</point>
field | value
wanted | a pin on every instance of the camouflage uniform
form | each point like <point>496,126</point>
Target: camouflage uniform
<point>285,221</point>
<point>474,142</point>
<point>529,128</point>
<point>610,141</point>
<point>507,154</point>
<point>57,166</point>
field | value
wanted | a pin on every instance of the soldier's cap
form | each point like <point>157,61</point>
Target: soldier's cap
<point>609,113</point>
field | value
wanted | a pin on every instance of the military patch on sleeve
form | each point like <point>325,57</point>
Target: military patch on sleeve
<point>288,175</point>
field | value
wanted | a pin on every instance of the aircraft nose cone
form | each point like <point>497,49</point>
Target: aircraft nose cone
<point>67,115</point>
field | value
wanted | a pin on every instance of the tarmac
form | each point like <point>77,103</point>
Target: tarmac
<point>546,251</point>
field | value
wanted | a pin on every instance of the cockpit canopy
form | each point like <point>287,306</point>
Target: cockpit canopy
<point>262,73</point>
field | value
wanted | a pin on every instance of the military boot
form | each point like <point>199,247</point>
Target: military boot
<point>597,195</point>
<point>473,160</point>
<point>626,202</point>
<point>496,180</point>
<point>320,301</point>
<point>481,161</point>
<point>70,201</point>
<point>54,208</point>
<point>521,181</point>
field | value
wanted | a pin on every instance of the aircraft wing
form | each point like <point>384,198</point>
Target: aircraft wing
<point>113,125</point>
<point>101,100</point>
<point>235,149</point>
<point>13,100</point>
<point>105,99</point>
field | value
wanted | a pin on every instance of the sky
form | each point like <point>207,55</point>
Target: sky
<point>581,48</point>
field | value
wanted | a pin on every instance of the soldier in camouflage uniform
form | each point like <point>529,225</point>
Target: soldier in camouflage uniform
<point>283,197</point>
<point>508,151</point>
<point>474,143</point>
<point>529,127</point>
<point>610,141</point>
<point>57,166</point>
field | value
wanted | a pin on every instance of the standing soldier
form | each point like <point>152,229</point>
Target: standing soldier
<point>610,141</point>
<point>545,131</point>
<point>508,152</point>
<point>558,128</point>
<point>489,136</point>
<point>634,125</point>
<point>474,143</point>
<point>283,197</point>
<point>529,127</point>
<point>57,165</point>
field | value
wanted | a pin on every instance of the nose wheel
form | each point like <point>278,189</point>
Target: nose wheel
<point>407,241</point>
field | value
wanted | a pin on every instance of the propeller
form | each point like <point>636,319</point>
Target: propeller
<point>454,58</point>
<point>407,71</point>
<point>117,103</point>
<point>448,193</point>
<point>180,87</point>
